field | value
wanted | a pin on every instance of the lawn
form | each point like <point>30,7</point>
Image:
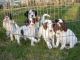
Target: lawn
<point>12,51</point>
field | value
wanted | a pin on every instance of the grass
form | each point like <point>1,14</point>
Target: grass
<point>72,13</point>
<point>12,51</point>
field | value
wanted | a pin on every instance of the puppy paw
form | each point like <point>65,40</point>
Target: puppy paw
<point>49,47</point>
<point>61,48</point>
<point>32,44</point>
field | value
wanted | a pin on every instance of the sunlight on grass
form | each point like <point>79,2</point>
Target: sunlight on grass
<point>71,14</point>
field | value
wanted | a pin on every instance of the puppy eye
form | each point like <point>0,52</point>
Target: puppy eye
<point>29,21</point>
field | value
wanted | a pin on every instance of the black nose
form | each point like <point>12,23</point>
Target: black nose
<point>32,15</point>
<point>50,30</point>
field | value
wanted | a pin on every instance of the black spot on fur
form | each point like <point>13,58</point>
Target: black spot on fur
<point>22,32</point>
<point>56,20</point>
<point>26,14</point>
<point>26,22</point>
<point>35,12</point>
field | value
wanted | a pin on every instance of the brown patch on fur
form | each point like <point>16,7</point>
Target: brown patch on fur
<point>55,27</point>
<point>63,26</point>
<point>45,26</point>
<point>36,19</point>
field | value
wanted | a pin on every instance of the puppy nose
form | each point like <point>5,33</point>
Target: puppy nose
<point>32,15</point>
<point>50,30</point>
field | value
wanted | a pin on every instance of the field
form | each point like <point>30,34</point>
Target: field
<point>12,51</point>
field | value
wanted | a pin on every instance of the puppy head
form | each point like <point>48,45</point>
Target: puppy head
<point>6,18</point>
<point>35,12</point>
<point>61,24</point>
<point>31,13</point>
<point>56,27</point>
<point>47,24</point>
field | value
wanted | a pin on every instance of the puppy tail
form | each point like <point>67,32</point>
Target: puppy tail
<point>43,18</point>
<point>44,15</point>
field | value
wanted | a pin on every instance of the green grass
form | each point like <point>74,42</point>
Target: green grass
<point>12,51</point>
<point>72,13</point>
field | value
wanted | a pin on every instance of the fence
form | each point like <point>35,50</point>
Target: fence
<point>64,9</point>
<point>68,10</point>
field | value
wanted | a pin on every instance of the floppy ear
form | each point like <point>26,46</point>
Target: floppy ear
<point>45,26</point>
<point>26,14</point>
<point>55,27</point>
<point>35,12</point>
<point>56,20</point>
<point>63,26</point>
<point>26,22</point>
<point>22,32</point>
<point>36,19</point>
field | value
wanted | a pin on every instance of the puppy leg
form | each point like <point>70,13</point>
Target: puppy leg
<point>33,40</point>
<point>53,44</point>
<point>71,43</point>
<point>11,37</point>
<point>17,37</point>
<point>63,43</point>
<point>57,42</point>
<point>8,34</point>
<point>48,43</point>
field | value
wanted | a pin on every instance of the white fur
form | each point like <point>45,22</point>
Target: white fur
<point>60,20</point>
<point>29,32</point>
<point>47,35</point>
<point>64,38</point>
<point>11,28</point>
<point>43,18</point>
<point>38,24</point>
<point>31,14</point>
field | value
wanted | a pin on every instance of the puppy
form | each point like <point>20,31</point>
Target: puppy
<point>64,35</point>
<point>47,33</point>
<point>30,14</point>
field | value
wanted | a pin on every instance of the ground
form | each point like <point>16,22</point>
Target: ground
<point>12,51</point>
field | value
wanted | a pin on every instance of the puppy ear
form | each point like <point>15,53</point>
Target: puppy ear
<point>35,12</point>
<point>55,27</point>
<point>36,19</point>
<point>10,16</point>
<point>53,23</point>
<point>45,26</point>
<point>26,22</point>
<point>22,32</point>
<point>63,26</point>
<point>56,20</point>
<point>26,14</point>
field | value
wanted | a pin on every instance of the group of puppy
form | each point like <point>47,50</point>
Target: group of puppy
<point>36,27</point>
